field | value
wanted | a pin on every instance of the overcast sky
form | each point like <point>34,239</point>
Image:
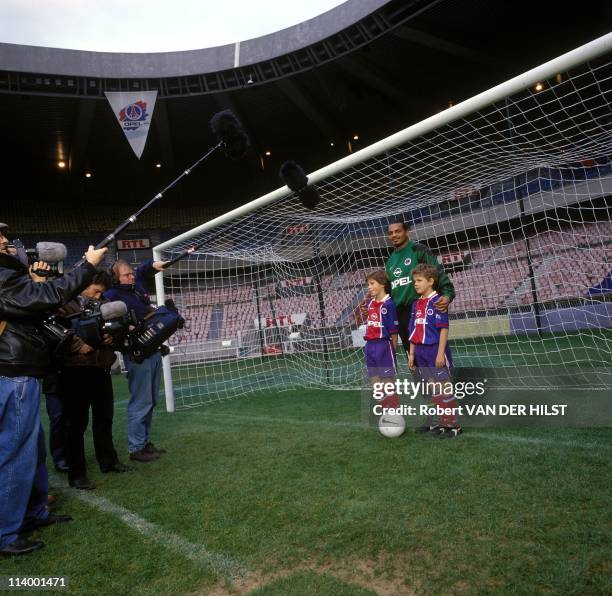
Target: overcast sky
<point>149,25</point>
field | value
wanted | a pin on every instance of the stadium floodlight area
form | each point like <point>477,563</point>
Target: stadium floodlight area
<point>510,188</point>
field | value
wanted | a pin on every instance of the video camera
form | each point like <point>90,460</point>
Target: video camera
<point>158,326</point>
<point>138,340</point>
<point>104,318</point>
<point>52,253</point>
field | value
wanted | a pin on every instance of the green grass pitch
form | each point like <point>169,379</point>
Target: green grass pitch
<point>288,494</point>
<point>527,362</point>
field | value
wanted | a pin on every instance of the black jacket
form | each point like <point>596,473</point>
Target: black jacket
<point>23,304</point>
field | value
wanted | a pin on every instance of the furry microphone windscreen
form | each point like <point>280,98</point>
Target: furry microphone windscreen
<point>229,131</point>
<point>293,176</point>
<point>113,310</point>
<point>51,252</point>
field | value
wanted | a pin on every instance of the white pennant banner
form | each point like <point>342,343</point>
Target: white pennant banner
<point>134,111</point>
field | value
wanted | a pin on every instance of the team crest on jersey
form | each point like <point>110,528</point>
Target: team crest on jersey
<point>397,272</point>
<point>383,311</point>
<point>407,262</point>
<point>430,311</point>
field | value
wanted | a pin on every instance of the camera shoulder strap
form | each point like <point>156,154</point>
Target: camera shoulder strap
<point>2,327</point>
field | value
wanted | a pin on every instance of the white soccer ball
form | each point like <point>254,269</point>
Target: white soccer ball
<point>391,425</point>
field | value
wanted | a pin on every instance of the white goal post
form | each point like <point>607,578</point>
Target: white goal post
<point>463,150</point>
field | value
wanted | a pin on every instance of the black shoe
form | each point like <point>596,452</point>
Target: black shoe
<point>82,484</point>
<point>21,546</point>
<point>143,456</point>
<point>52,518</point>
<point>118,467</point>
<point>428,430</point>
<point>150,448</point>
<point>450,432</point>
<point>62,467</point>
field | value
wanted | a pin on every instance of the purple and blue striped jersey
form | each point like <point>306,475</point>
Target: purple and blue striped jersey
<point>382,319</point>
<point>426,321</point>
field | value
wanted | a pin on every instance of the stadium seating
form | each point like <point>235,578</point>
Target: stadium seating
<point>566,265</point>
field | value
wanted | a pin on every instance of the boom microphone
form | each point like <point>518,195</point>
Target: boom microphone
<point>228,130</point>
<point>113,310</point>
<point>231,138</point>
<point>51,252</point>
<point>180,256</point>
<point>294,177</point>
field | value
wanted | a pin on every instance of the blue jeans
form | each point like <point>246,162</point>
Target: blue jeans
<point>37,505</point>
<point>57,428</point>
<point>19,454</point>
<point>143,382</point>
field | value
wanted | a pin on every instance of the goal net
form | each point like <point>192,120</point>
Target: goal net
<point>510,189</point>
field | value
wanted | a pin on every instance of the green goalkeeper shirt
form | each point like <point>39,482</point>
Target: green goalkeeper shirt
<point>399,268</point>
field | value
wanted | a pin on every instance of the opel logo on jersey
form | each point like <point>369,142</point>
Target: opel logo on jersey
<point>374,316</point>
<point>404,281</point>
<point>397,272</point>
<point>408,261</point>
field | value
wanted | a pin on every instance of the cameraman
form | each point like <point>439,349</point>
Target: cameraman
<point>144,378</point>
<point>25,358</point>
<point>84,381</point>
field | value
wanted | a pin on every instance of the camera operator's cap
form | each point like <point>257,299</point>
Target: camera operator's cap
<point>3,226</point>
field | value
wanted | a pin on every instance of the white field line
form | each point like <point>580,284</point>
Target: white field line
<point>220,564</point>
<point>468,434</point>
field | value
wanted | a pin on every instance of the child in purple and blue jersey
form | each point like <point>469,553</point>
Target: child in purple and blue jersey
<point>429,349</point>
<point>381,330</point>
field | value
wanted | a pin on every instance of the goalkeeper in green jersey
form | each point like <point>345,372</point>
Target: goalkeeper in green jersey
<point>406,256</point>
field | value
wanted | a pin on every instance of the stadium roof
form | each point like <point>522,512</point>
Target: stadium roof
<point>235,56</point>
<point>366,68</point>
